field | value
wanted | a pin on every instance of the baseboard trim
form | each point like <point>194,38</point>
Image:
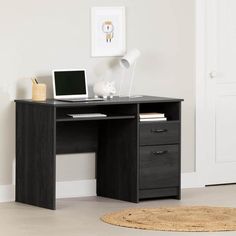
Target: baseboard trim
<point>7,193</point>
<point>191,180</point>
<point>87,188</point>
<point>81,188</point>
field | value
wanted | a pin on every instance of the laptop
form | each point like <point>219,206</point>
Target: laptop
<point>71,86</point>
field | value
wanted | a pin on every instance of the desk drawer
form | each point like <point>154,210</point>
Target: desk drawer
<point>156,133</point>
<point>159,166</point>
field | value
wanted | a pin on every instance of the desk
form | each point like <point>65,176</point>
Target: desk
<point>134,160</point>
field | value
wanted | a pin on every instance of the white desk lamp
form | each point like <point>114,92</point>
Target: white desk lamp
<point>129,60</point>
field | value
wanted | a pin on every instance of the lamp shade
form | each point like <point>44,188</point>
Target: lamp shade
<point>130,58</point>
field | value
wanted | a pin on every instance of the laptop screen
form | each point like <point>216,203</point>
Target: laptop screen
<point>70,83</point>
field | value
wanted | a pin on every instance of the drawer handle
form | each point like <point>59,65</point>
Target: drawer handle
<point>158,130</point>
<point>156,153</point>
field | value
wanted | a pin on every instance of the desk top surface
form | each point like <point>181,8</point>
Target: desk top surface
<point>113,101</point>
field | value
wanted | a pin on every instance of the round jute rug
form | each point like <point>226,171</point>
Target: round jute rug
<point>183,219</point>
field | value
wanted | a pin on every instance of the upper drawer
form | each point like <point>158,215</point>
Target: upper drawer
<point>155,133</point>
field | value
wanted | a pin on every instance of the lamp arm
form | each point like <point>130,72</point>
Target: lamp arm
<point>122,81</point>
<point>132,78</point>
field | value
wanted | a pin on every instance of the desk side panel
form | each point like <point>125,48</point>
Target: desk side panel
<point>180,146</point>
<point>117,160</point>
<point>35,155</point>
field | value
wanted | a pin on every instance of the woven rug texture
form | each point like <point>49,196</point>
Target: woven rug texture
<point>179,219</point>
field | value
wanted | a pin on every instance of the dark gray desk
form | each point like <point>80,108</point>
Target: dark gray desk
<point>135,160</point>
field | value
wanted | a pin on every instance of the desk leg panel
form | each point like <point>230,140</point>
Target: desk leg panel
<point>117,160</point>
<point>35,155</point>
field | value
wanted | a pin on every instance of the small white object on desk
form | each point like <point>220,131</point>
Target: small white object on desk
<point>87,115</point>
<point>104,89</point>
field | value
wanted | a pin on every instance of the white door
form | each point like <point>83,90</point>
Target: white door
<point>221,91</point>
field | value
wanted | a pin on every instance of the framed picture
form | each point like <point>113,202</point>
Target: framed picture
<point>108,31</point>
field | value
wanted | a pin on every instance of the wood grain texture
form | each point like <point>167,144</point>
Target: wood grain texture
<point>180,147</point>
<point>159,166</point>
<point>117,160</point>
<point>124,169</point>
<point>170,109</point>
<point>114,101</point>
<point>158,193</point>
<point>160,177</point>
<point>154,133</point>
<point>66,119</point>
<point>76,137</point>
<point>35,155</point>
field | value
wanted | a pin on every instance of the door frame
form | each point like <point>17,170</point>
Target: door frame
<point>201,78</point>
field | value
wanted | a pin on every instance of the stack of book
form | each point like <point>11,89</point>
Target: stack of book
<point>153,116</point>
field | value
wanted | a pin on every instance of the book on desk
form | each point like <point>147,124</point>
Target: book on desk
<point>152,116</point>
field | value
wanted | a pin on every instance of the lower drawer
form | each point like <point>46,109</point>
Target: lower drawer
<point>159,166</point>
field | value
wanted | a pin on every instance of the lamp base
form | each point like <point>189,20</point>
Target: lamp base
<point>131,96</point>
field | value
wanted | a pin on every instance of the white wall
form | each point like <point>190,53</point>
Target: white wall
<point>38,36</point>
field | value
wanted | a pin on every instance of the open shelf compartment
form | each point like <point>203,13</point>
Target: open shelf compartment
<point>114,112</point>
<point>170,109</point>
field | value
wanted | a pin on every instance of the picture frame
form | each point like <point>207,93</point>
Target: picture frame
<point>108,31</point>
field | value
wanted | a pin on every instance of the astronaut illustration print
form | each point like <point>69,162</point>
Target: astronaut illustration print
<point>108,30</point>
